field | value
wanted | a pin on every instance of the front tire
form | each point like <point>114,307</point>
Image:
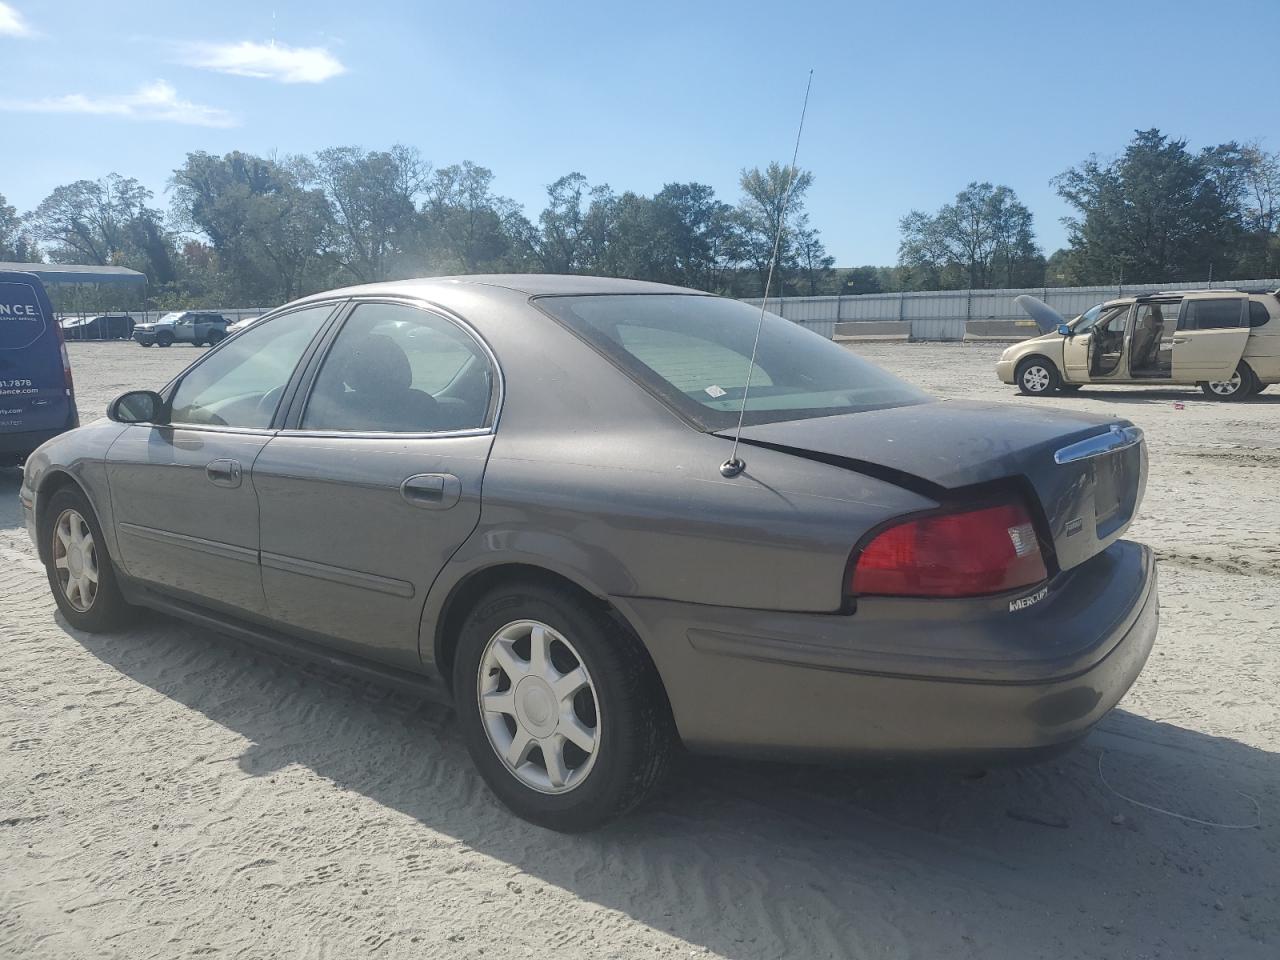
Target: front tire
<point>560,707</point>
<point>81,574</point>
<point>1036,377</point>
<point>1242,385</point>
<point>143,343</point>
<point>165,339</point>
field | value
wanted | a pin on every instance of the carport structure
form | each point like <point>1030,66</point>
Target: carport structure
<point>67,283</point>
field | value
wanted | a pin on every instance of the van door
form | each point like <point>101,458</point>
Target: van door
<point>1095,349</point>
<point>1211,337</point>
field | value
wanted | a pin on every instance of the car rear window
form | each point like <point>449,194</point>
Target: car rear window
<point>1258,315</point>
<point>694,352</point>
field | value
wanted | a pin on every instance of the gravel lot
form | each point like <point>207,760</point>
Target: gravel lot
<point>167,793</point>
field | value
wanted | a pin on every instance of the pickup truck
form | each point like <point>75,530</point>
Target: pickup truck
<point>182,327</point>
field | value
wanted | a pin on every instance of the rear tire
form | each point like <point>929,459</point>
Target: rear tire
<point>1037,377</point>
<point>1242,385</point>
<point>216,337</point>
<point>81,574</point>
<point>593,686</point>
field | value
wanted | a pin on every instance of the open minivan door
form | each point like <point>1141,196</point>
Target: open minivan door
<point>1213,330</point>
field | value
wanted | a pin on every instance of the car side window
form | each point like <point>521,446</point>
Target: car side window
<point>1210,315</point>
<point>1258,315</point>
<point>240,385</point>
<point>394,368</point>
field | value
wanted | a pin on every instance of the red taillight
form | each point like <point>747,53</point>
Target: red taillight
<point>962,554</point>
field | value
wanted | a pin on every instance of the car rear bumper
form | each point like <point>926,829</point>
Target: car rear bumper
<point>909,679</point>
<point>1005,370</point>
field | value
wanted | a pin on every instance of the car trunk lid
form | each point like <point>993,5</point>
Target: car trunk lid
<point>948,449</point>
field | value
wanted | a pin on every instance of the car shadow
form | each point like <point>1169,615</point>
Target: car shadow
<point>763,860</point>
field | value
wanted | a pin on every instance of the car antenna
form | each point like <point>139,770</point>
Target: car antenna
<point>734,465</point>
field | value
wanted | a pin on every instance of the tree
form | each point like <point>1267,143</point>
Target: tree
<point>1156,213</point>
<point>694,235</point>
<point>561,245</point>
<point>268,222</point>
<point>982,240</point>
<point>374,201</point>
<point>861,280</point>
<point>15,244</point>
<point>471,226</point>
<point>105,222</point>
<point>1250,178</point>
<point>772,211</point>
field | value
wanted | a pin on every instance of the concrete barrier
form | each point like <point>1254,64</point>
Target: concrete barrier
<point>874,330</point>
<point>1000,329</point>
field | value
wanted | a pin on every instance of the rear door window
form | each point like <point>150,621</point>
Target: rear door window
<point>1211,314</point>
<point>395,368</point>
<point>1258,315</point>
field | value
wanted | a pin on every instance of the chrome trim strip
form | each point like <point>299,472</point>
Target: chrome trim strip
<point>386,435</point>
<point>224,551</point>
<point>348,578</point>
<point>1116,438</point>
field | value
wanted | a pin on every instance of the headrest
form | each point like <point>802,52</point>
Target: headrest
<point>379,365</point>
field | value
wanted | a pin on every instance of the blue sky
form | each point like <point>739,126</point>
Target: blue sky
<point>911,100</point>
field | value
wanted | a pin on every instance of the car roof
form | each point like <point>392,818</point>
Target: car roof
<point>1165,296</point>
<point>532,284</point>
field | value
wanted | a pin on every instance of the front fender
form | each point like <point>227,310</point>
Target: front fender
<point>80,456</point>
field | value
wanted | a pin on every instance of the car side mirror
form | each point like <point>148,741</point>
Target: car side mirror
<point>137,406</point>
<point>1064,330</point>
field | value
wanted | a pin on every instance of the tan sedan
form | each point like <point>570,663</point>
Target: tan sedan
<point>1227,342</point>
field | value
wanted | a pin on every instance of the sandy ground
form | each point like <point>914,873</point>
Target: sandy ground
<point>168,793</point>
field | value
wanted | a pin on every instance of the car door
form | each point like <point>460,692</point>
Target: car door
<point>1093,351</point>
<point>375,482</point>
<point>1211,337</point>
<point>182,492</point>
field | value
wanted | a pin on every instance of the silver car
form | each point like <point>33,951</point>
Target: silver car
<point>522,492</point>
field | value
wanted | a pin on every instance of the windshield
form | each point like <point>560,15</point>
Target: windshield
<point>170,317</point>
<point>693,352</point>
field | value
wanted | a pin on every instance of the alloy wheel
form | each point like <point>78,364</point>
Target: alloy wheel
<point>1036,379</point>
<point>1227,388</point>
<point>539,706</point>
<point>75,557</point>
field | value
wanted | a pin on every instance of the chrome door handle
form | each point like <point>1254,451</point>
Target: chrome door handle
<point>224,473</point>
<point>1181,339</point>
<point>433,491</point>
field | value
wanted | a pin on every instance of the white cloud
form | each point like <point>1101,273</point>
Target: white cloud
<point>153,101</point>
<point>12,23</point>
<point>266,61</point>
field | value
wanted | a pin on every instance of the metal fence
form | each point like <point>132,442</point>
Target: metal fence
<point>948,314</point>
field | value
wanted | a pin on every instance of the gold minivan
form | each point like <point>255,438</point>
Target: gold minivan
<point>1225,341</point>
